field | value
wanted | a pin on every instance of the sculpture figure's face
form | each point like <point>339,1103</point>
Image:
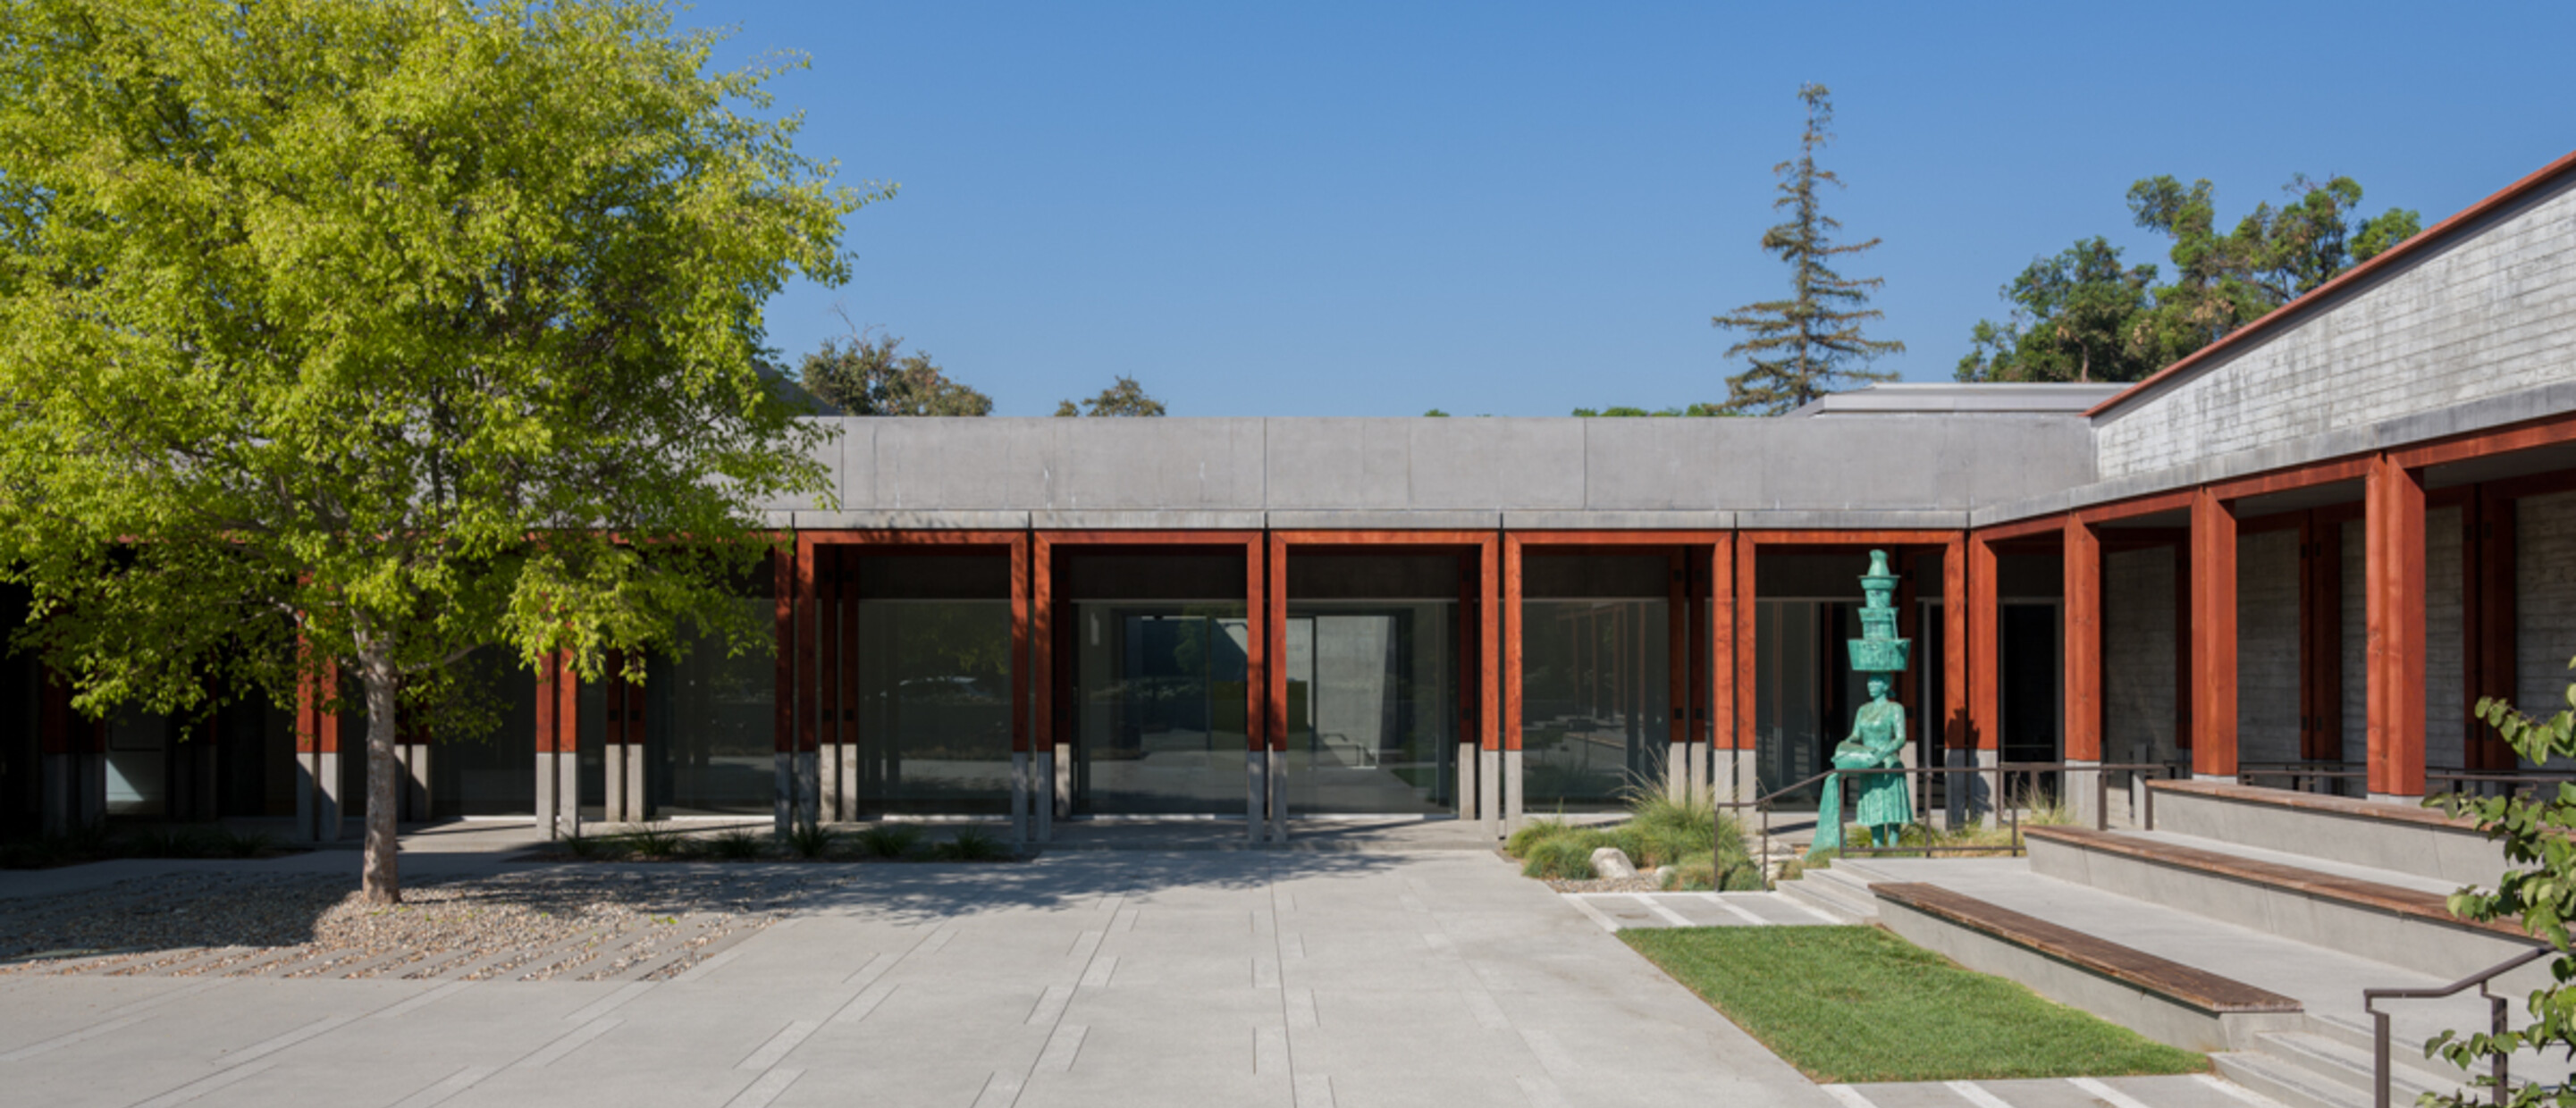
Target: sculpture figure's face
<point>1878,685</point>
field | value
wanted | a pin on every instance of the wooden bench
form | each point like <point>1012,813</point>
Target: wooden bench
<point>2393,899</point>
<point>2164,977</point>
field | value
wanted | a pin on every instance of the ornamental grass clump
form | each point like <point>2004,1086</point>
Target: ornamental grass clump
<point>1562,858</point>
<point>810,840</point>
<point>888,840</point>
<point>973,844</point>
<point>738,845</point>
<point>657,841</point>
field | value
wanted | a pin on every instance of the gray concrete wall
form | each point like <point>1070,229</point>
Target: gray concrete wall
<point>2488,314</point>
<point>1892,470</point>
<point>2445,641</point>
<point>2267,646</point>
<point>2137,655</point>
<point>2545,600</point>
<point>2356,650</point>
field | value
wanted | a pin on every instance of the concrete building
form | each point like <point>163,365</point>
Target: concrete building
<point>2296,558</point>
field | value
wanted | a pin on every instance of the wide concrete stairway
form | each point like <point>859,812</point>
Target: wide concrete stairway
<point>2246,923</point>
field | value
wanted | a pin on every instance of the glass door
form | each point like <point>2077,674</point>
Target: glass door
<point>1372,707</point>
<point>1159,726</point>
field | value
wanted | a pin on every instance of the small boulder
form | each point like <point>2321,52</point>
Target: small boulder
<point>1611,863</point>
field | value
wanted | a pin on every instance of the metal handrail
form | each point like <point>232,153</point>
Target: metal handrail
<point>2101,771</point>
<point>2495,1008</point>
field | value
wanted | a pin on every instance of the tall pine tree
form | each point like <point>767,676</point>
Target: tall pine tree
<point>1805,346</point>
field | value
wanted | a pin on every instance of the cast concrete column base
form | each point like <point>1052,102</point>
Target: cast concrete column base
<point>783,788</point>
<point>1733,776</point>
<point>1489,792</point>
<point>414,786</point>
<point>1020,794</point>
<point>1970,796</point>
<point>1042,803</point>
<point>1256,796</point>
<point>2083,792</point>
<point>809,786</point>
<point>1513,793</point>
<point>2416,801</point>
<point>843,787</point>
<point>1278,760</point>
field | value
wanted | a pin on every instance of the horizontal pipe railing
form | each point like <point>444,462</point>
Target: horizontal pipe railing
<point>2101,771</point>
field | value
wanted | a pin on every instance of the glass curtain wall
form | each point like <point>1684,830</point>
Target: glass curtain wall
<point>934,705</point>
<point>1372,707</point>
<point>1596,703</point>
<point>138,764</point>
<point>492,770</point>
<point>709,727</point>
<point>1161,726</point>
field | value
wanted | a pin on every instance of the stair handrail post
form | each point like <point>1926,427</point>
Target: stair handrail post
<point>2484,979</point>
<point>2101,797</point>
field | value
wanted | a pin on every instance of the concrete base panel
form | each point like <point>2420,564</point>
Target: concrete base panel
<point>1060,771</point>
<point>1732,775</point>
<point>1278,773</point>
<point>2155,1016</point>
<point>2460,856</point>
<point>2081,782</point>
<point>843,785</point>
<point>1256,795</point>
<point>415,781</point>
<point>1489,791</point>
<point>317,796</point>
<point>1043,804</point>
<point>782,815</point>
<point>1971,796</point>
<point>1513,793</point>
<point>809,786</point>
<point>1466,788</point>
<point>1020,795</point>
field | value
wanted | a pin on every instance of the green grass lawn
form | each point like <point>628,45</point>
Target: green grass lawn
<point>1859,1004</point>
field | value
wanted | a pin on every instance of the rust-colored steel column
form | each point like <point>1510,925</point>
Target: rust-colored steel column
<point>2083,587</point>
<point>828,630</point>
<point>2393,506</point>
<point>1956,732</point>
<point>1677,673</point>
<point>1044,734</point>
<point>1746,668</point>
<point>1515,635</point>
<point>2186,716</point>
<point>1489,682</point>
<point>1727,735</point>
<point>1266,686</point>
<point>2213,632</point>
<point>1022,702</point>
<point>782,578</point>
<point>1985,645</point>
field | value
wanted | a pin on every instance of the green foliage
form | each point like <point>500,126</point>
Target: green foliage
<point>810,840</point>
<point>1436,413</point>
<point>1124,398</point>
<point>1630,413</point>
<point>1562,857</point>
<point>1533,832</point>
<point>867,378</point>
<point>888,840</point>
<point>224,842</point>
<point>313,313</point>
<point>973,844</point>
<point>657,840</point>
<point>2082,316</point>
<point>1811,343</point>
<point>738,845</point>
<point>2538,889</point>
<point>1859,1004</point>
<point>593,848</point>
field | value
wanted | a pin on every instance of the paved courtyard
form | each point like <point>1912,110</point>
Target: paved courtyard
<point>1122,977</point>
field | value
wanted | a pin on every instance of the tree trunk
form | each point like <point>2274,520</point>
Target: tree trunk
<point>380,882</point>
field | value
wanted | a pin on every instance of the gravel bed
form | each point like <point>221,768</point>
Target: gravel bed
<point>586,924</point>
<point>1638,884</point>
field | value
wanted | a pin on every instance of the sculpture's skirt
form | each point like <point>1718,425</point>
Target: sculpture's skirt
<point>1883,800</point>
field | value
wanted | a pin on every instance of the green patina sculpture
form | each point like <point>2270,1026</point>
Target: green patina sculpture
<point>1878,729</point>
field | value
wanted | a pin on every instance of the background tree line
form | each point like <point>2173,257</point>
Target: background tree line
<point>2083,315</point>
<point>874,377</point>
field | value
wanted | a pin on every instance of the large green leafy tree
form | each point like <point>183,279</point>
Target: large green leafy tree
<point>1811,343</point>
<point>362,334</point>
<point>872,377</point>
<point>2081,316</point>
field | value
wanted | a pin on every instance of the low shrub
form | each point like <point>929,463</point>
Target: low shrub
<point>809,839</point>
<point>593,848</point>
<point>974,844</point>
<point>164,842</point>
<point>224,842</point>
<point>1564,858</point>
<point>657,840</point>
<point>1533,833</point>
<point>738,845</point>
<point>888,840</point>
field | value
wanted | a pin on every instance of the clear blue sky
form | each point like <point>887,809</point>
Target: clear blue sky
<point>1375,209</point>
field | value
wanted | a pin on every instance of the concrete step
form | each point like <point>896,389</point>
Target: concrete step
<point>2333,1063</point>
<point>2383,915</point>
<point>2395,836</point>
<point>1842,890</point>
<point>2291,1085</point>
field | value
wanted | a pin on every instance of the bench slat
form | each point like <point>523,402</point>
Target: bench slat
<point>2162,976</point>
